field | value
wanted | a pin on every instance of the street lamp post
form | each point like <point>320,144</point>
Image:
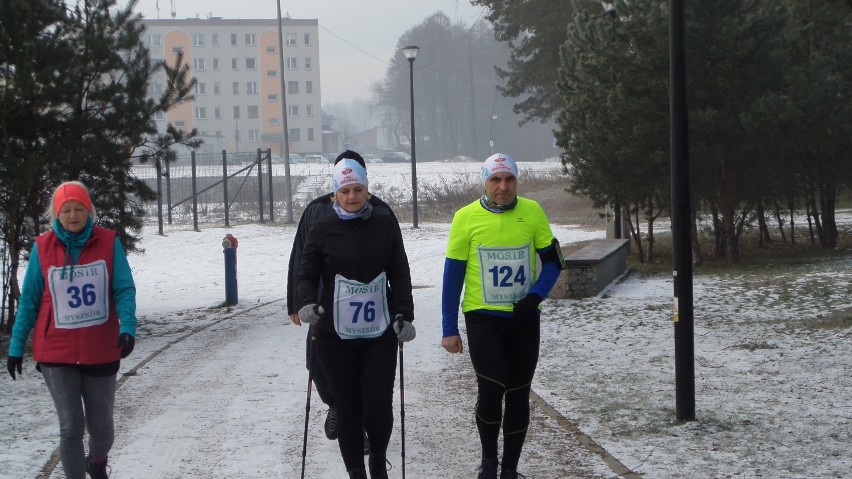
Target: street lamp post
<point>410,53</point>
<point>285,140</point>
<point>491,141</point>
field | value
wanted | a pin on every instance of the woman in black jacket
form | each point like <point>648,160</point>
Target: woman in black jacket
<point>366,307</point>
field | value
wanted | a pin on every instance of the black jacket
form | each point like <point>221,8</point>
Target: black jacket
<point>316,210</point>
<point>359,250</point>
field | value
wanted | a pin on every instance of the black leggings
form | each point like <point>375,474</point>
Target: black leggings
<point>504,353</point>
<point>361,374</point>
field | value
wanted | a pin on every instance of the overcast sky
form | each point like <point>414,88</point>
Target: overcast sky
<point>356,38</point>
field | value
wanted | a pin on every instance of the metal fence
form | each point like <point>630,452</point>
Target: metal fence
<point>218,190</point>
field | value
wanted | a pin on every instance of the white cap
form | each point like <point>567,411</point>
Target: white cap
<point>347,172</point>
<point>499,163</point>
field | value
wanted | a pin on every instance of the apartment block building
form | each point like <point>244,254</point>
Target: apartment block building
<point>238,97</point>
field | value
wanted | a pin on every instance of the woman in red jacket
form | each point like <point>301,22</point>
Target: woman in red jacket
<point>79,298</point>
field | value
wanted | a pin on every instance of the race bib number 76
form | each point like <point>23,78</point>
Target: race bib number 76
<point>360,309</point>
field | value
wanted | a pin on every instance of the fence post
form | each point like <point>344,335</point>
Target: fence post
<point>194,194</point>
<point>158,163</point>
<point>269,174</point>
<point>168,191</point>
<point>225,185</point>
<point>260,184</point>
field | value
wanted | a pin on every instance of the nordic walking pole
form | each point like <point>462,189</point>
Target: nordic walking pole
<point>402,406</point>
<point>308,401</point>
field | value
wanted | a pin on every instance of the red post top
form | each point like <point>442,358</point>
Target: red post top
<point>229,241</point>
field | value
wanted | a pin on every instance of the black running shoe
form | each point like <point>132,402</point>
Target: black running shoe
<point>488,469</point>
<point>96,469</point>
<point>331,424</point>
<point>511,474</point>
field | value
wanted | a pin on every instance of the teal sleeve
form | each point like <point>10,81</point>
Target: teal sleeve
<point>28,305</point>
<point>123,291</point>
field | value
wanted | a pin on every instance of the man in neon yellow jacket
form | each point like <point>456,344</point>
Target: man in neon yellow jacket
<point>491,254</point>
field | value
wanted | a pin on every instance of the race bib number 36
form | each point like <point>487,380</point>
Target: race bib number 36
<point>80,296</point>
<point>506,274</point>
<point>360,309</point>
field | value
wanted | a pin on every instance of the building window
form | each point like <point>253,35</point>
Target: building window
<point>156,88</point>
<point>217,113</point>
<point>307,63</point>
<point>310,134</point>
<point>292,63</point>
<point>309,110</point>
<point>217,88</point>
<point>201,113</point>
<point>307,39</point>
<point>156,40</point>
<point>216,64</point>
<point>272,97</point>
<point>156,62</point>
<point>309,86</point>
<point>251,63</point>
<point>198,64</point>
<point>237,136</point>
<point>159,116</point>
<point>236,113</point>
<point>254,135</point>
<point>273,121</point>
<point>177,50</point>
<point>214,39</point>
<point>198,40</point>
<point>292,87</point>
<point>272,73</point>
<point>294,110</point>
<point>235,63</point>
<point>200,88</point>
<point>180,124</point>
<point>271,49</point>
<point>235,88</point>
<point>291,39</point>
<point>252,112</point>
<point>294,134</point>
<point>251,88</point>
<point>233,39</point>
<point>250,39</point>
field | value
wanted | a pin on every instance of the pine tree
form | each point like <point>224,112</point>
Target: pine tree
<point>75,106</point>
<point>614,127</point>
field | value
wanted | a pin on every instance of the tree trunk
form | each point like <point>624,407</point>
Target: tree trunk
<point>780,221</point>
<point>828,203</point>
<point>763,229</point>
<point>636,234</point>
<point>816,216</point>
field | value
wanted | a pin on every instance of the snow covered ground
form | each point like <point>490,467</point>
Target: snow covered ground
<point>220,392</point>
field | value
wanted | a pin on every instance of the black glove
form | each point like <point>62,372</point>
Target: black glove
<point>12,363</point>
<point>126,343</point>
<point>527,307</point>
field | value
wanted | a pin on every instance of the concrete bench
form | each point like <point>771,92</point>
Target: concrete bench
<point>592,268</point>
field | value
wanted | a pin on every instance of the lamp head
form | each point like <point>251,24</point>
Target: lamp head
<point>410,52</point>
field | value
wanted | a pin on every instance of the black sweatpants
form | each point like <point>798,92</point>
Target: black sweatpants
<point>361,374</point>
<point>504,353</point>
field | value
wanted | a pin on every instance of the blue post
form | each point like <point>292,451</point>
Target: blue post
<point>229,248</point>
